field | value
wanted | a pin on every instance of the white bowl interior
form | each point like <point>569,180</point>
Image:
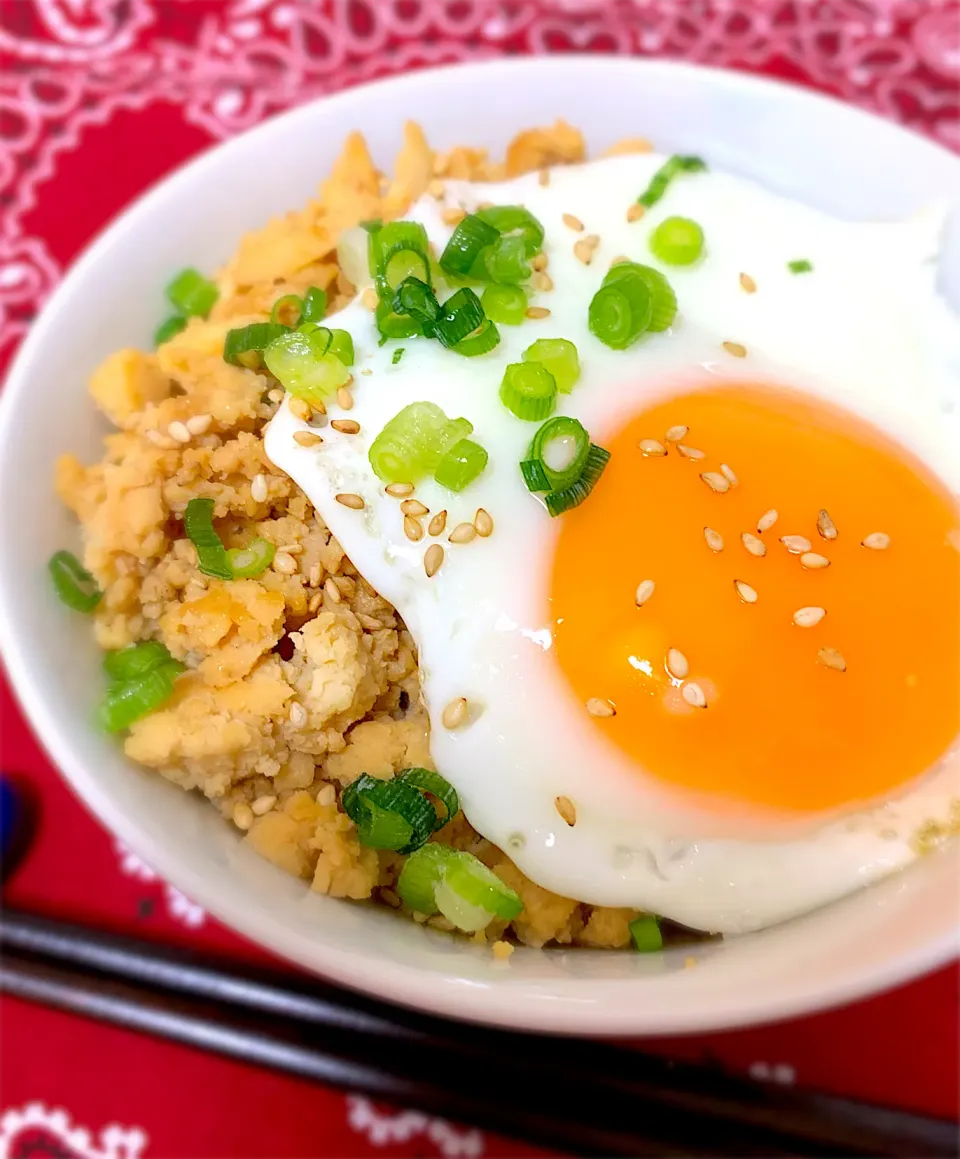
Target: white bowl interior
<point>822,152</point>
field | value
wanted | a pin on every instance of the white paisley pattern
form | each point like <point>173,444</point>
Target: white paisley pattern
<point>178,905</point>
<point>385,1128</point>
<point>68,64</point>
<point>35,1128</point>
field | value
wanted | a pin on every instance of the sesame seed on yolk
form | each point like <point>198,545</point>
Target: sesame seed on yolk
<point>797,718</point>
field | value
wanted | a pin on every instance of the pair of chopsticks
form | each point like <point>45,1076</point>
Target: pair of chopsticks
<point>578,1096</point>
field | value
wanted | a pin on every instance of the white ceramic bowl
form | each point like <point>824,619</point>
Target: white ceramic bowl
<point>825,153</point>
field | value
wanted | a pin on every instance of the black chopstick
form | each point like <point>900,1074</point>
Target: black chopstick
<point>580,1096</point>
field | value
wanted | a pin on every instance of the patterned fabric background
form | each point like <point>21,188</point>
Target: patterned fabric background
<point>100,98</point>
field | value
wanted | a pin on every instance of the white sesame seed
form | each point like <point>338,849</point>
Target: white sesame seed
<point>455,713</point>
<point>284,563</point>
<point>178,431</point>
<point>585,248</point>
<point>263,804</point>
<point>258,489</point>
<point>453,216</point>
<point>437,523</point>
<point>298,714</point>
<point>694,695</point>
<point>715,481</point>
<point>572,222</point>
<point>542,282</point>
<point>877,541</point>
<point>199,424</point>
<point>728,474</point>
<point>307,439</point>
<point>344,398</point>
<point>652,447</point>
<point>677,664</point>
<point>635,212</point>
<point>644,591</point>
<point>796,544</point>
<point>539,262</point>
<point>299,409</point>
<point>432,560</point>
<point>752,544</point>
<point>370,298</point>
<point>745,592</point>
<point>242,815</point>
<point>767,520</point>
<point>535,313</point>
<point>826,527</point>
<point>691,452</point>
<point>462,533</point>
<point>399,490</point>
<point>483,522</point>
<point>346,426</point>
<point>676,434</point>
<point>597,707</point>
<point>814,561</point>
<point>737,349</point>
<point>348,499</point>
<point>747,284</point>
<point>831,658</point>
<point>412,529</point>
<point>714,539</point>
<point>567,810</point>
<point>808,617</point>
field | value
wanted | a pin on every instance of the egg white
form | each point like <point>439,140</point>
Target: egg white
<point>865,330</point>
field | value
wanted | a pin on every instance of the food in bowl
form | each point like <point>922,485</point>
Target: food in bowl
<point>586,496</point>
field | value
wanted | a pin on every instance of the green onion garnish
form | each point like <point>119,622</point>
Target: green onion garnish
<point>396,814</point>
<point>136,660</point>
<point>191,293</point>
<point>528,390</point>
<point>415,298</point>
<point>504,304</point>
<point>560,449</point>
<point>341,344</point>
<point>663,299</point>
<point>287,310</point>
<point>131,699</point>
<point>457,884</point>
<point>560,357</point>
<point>677,241</point>
<point>211,554</point>
<point>250,561</point>
<point>665,174</point>
<point>460,315</point>
<point>534,475</point>
<point>314,305</point>
<point>800,266</point>
<point>514,220</point>
<point>466,243</point>
<point>618,315</point>
<point>414,441</point>
<point>250,340</point>
<point>397,355</point>
<point>303,364</point>
<point>484,339</point>
<point>169,329</point>
<point>75,586</point>
<point>372,225</point>
<point>394,325</point>
<point>460,465</point>
<point>505,262</point>
<point>397,251</point>
<point>430,782</point>
<point>646,934</point>
<point>559,501</point>
<point>321,337</point>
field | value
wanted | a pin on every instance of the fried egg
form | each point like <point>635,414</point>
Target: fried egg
<point>725,689</point>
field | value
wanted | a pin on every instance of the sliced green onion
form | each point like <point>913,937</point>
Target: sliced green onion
<point>288,310</point>
<point>128,701</point>
<point>646,933</point>
<point>420,876</point>
<point>414,441</point>
<point>430,782</point>
<point>663,300</point>
<point>484,339</point>
<point>415,298</point>
<point>211,554</point>
<point>460,315</point>
<point>250,561</point>
<point>314,305</point>
<point>559,501</point>
<point>534,475</point>
<point>191,293</point>
<point>304,366</point>
<point>800,266</point>
<point>136,660</point>
<point>560,357</point>
<point>504,304</point>
<point>341,344</point>
<point>321,337</point>
<point>677,241</point>
<point>457,884</point>
<point>514,220</point>
<point>461,465</point>
<point>505,262</point>
<point>372,225</point>
<point>665,174</point>
<point>389,814</point>
<point>397,355</point>
<point>404,264</point>
<point>394,325</point>
<point>397,251</point>
<point>471,236</point>
<point>561,447</point>
<point>252,339</point>
<point>620,312</point>
<point>169,329</point>
<point>471,881</point>
<point>528,390</point>
<point>75,586</point>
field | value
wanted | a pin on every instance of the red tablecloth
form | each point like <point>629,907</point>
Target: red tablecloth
<point>98,100</point>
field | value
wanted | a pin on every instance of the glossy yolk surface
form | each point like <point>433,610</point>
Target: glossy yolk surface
<point>781,727</point>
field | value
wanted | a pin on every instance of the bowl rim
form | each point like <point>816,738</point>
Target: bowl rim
<point>409,985</point>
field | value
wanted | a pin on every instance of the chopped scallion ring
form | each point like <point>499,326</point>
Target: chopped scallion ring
<point>250,561</point>
<point>394,325</point>
<point>457,884</point>
<point>389,814</point>
<point>528,390</point>
<point>460,315</point>
<point>250,340</point>
<point>75,586</point>
<point>677,241</point>
<point>514,220</point>
<point>304,365</point>
<point>663,305</point>
<point>468,240</point>
<point>397,251</point>
<point>560,448</point>
<point>415,298</point>
<point>646,934</point>
<point>314,305</point>
<point>618,314</point>
<point>341,344</point>
<point>559,501</point>
<point>288,310</point>
<point>191,293</point>
<point>211,554</point>
<point>169,329</point>
<point>504,304</point>
<point>461,465</point>
<point>430,782</point>
<point>504,262</point>
<point>485,338</point>
<point>560,357</point>
<point>665,174</point>
<point>413,442</point>
<point>135,660</point>
<point>128,701</point>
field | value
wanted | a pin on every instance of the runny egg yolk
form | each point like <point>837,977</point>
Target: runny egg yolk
<point>813,687</point>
